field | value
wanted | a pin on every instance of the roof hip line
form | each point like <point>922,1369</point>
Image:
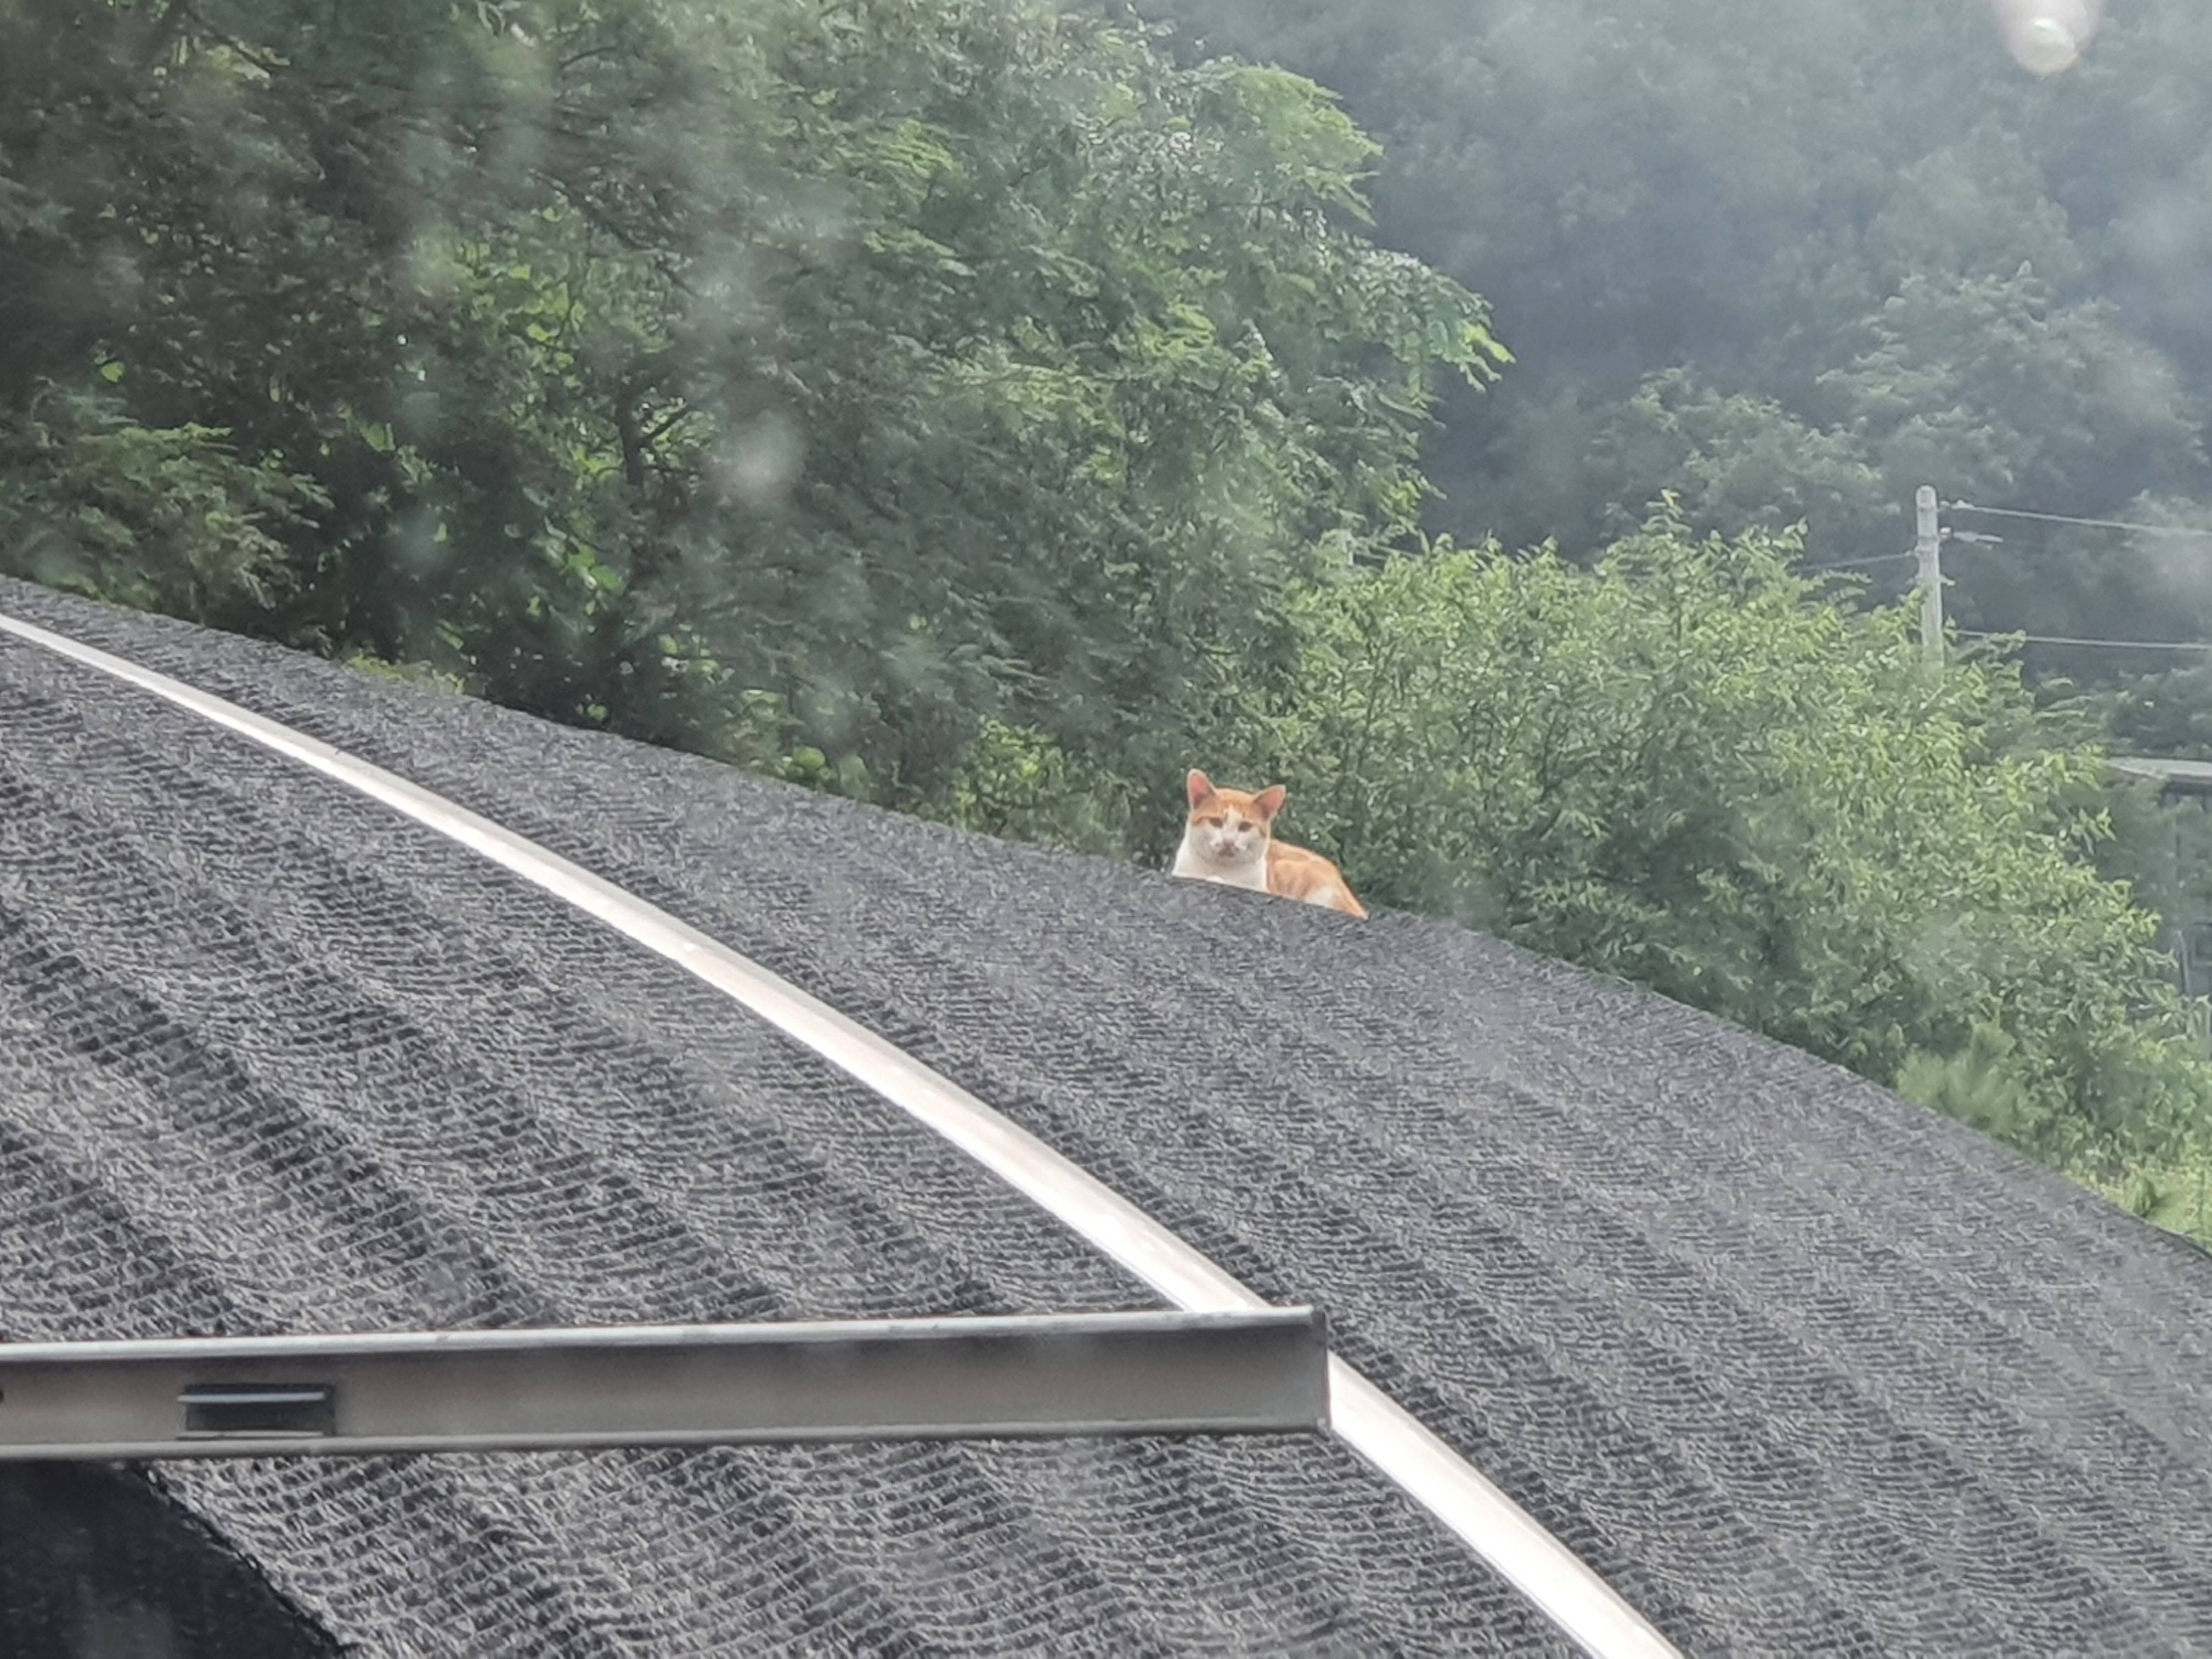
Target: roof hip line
<point>1397,1444</point>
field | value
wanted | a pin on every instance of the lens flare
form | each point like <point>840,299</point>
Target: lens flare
<point>2047,36</point>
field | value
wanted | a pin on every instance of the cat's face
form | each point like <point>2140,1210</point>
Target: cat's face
<point>1228,826</point>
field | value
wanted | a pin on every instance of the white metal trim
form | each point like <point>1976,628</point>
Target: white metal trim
<point>1559,1582</point>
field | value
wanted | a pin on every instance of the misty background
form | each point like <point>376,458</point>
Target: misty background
<point>1793,260</point>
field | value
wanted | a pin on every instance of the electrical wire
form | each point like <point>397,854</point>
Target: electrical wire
<point>2067,639</point>
<point>2093,524</point>
<point>1857,564</point>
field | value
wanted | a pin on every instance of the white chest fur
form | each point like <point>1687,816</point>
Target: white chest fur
<point>1249,873</point>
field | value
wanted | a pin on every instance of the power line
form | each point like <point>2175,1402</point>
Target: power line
<point>1855,564</point>
<point>2067,639</point>
<point>2093,524</point>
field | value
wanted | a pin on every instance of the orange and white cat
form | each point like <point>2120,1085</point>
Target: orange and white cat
<point>1230,837</point>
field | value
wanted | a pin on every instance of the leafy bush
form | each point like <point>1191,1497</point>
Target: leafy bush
<point>164,517</point>
<point>1691,768</point>
<point>1015,782</point>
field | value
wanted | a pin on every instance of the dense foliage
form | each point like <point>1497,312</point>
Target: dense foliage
<point>1792,261</point>
<point>965,404</point>
<point>1692,768</point>
<point>783,378</point>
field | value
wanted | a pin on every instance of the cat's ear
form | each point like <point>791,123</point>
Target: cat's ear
<point>1198,787</point>
<point>1269,801</point>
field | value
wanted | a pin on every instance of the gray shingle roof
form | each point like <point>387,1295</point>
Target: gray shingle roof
<point>1799,1366</point>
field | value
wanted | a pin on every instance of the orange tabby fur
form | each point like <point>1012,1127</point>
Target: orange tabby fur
<point>1229,837</point>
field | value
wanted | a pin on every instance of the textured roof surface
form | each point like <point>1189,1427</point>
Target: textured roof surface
<point>1800,1367</point>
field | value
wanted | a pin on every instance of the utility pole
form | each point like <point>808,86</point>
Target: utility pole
<point>1930,549</point>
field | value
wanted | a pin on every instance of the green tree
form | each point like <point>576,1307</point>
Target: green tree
<point>749,374</point>
<point>1735,462</point>
<point>1721,233</point>
<point>166,518</point>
